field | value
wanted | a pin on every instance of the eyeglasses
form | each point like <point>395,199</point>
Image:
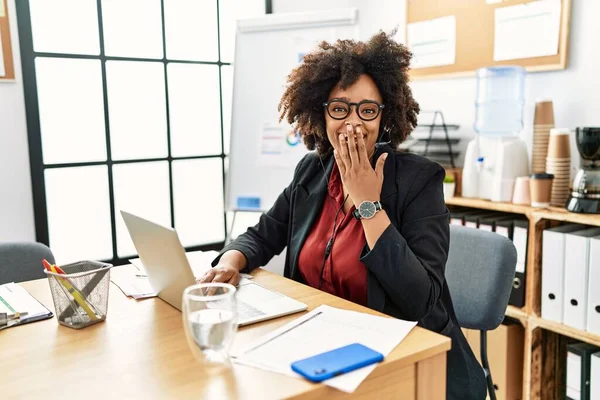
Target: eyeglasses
<point>367,110</point>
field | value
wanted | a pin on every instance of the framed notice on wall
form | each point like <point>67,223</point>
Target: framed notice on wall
<point>7,70</point>
<point>456,37</point>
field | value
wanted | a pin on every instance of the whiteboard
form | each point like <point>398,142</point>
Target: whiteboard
<point>264,152</point>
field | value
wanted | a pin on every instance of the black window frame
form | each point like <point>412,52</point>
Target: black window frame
<point>37,165</point>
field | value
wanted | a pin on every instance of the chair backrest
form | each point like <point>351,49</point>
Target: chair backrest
<point>480,272</point>
<point>22,261</point>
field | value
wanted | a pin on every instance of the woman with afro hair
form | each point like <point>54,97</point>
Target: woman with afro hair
<point>361,220</point>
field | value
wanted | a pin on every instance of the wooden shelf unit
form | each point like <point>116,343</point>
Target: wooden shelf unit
<point>583,336</point>
<point>545,341</point>
<point>517,313</point>
<point>548,213</point>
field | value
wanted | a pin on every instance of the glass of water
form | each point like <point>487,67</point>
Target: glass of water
<point>210,321</point>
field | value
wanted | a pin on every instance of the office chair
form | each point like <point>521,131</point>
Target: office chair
<point>22,261</point>
<point>480,272</point>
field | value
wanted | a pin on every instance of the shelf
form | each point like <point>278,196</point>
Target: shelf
<point>516,313</point>
<point>438,141</point>
<point>565,330</point>
<point>438,126</point>
<point>560,214</point>
<point>489,205</point>
<point>552,213</point>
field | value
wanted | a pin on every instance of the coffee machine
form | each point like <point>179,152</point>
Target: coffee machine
<point>585,196</point>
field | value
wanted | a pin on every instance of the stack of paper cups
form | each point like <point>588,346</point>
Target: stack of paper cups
<point>542,123</point>
<point>558,163</point>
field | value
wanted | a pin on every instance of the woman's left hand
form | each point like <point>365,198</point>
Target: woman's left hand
<point>362,182</point>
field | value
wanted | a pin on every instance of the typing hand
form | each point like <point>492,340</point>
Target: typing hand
<point>224,273</point>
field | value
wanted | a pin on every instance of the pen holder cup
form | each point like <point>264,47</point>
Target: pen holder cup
<point>81,294</point>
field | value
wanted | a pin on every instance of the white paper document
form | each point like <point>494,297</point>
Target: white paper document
<point>134,282</point>
<point>324,329</point>
<point>527,30</point>
<point>432,42</point>
<point>2,70</point>
<point>15,299</point>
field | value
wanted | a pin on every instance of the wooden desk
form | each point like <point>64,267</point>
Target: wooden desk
<point>140,351</point>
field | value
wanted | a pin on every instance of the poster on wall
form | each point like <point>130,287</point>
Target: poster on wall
<point>280,145</point>
<point>432,42</point>
<point>527,30</point>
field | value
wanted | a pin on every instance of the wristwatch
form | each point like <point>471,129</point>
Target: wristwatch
<point>367,210</point>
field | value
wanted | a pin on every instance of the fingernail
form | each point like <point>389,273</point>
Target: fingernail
<point>350,128</point>
<point>341,137</point>
<point>385,156</point>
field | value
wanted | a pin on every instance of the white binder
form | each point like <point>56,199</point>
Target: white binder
<point>520,241</point>
<point>593,304</point>
<point>577,245</point>
<point>553,267</point>
<point>595,377</point>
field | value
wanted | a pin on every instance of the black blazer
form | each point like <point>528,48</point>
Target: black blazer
<point>405,268</point>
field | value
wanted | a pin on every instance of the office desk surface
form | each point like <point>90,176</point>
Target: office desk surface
<point>140,351</point>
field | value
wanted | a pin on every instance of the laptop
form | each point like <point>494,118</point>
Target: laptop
<point>169,273</point>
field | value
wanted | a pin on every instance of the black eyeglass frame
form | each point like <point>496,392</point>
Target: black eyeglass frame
<point>356,105</point>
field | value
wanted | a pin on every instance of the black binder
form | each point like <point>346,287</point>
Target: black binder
<point>520,235</point>
<point>578,371</point>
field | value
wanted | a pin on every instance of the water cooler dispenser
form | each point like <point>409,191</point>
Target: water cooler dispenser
<point>497,155</point>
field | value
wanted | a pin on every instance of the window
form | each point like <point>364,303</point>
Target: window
<point>128,108</point>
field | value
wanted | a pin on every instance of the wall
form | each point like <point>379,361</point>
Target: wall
<point>574,91</point>
<point>16,203</point>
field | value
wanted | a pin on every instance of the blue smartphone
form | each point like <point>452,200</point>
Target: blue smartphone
<point>336,362</point>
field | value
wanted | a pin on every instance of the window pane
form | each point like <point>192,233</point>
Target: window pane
<point>191,30</point>
<point>65,26</point>
<point>141,189</point>
<point>227,90</point>
<point>71,109</point>
<point>136,103</point>
<point>198,200</point>
<point>194,111</point>
<point>132,28</point>
<point>229,12</point>
<point>243,221</point>
<point>78,213</point>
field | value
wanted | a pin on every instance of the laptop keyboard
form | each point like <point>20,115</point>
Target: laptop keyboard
<point>246,311</point>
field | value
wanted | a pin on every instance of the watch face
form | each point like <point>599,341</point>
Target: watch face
<point>367,209</point>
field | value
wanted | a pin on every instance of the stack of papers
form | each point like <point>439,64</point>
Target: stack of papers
<point>134,282</point>
<point>14,299</point>
<point>324,329</point>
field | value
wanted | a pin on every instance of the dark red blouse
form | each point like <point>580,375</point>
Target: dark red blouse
<point>344,275</point>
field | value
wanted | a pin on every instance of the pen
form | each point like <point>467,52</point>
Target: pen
<point>286,331</point>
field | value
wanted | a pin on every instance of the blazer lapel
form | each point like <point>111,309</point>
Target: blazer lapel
<point>308,203</point>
